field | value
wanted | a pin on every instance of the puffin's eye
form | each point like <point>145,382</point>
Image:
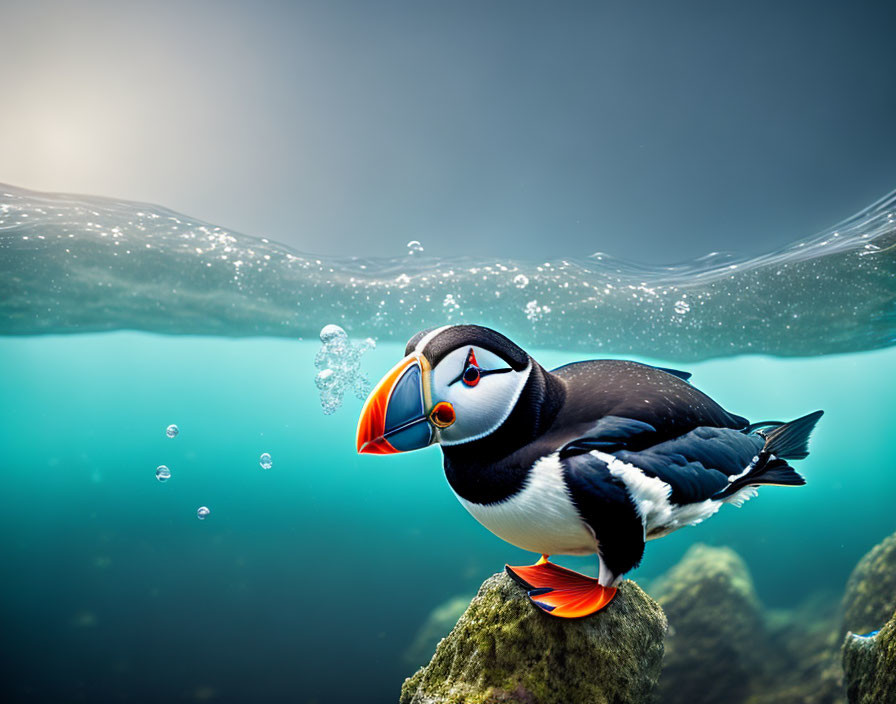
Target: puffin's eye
<point>471,373</point>
<point>471,376</point>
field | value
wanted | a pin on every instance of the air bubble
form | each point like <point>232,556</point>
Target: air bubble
<point>450,303</point>
<point>339,362</point>
<point>535,312</point>
<point>163,474</point>
<point>330,333</point>
<point>265,461</point>
<point>172,430</point>
<point>202,513</point>
<point>521,281</point>
<point>325,379</point>
<point>415,248</point>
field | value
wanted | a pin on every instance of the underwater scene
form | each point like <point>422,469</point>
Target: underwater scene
<point>186,516</point>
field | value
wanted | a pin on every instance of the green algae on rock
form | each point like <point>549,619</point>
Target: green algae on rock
<point>503,649</point>
<point>871,591</point>
<point>869,665</point>
<point>716,636</point>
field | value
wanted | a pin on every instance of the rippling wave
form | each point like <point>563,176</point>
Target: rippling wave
<point>72,264</point>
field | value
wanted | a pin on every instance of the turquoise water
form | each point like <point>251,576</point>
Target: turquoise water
<point>309,580</point>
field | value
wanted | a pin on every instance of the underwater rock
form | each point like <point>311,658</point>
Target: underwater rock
<point>503,649</point>
<point>724,647</point>
<point>437,625</point>
<point>871,591</point>
<point>716,639</point>
<point>869,664</point>
<point>802,663</point>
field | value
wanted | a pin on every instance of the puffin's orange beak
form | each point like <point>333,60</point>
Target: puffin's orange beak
<point>394,417</point>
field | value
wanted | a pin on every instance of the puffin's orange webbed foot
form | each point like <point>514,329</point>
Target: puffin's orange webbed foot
<point>561,592</point>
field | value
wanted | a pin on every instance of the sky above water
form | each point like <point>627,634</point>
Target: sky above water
<point>656,132</point>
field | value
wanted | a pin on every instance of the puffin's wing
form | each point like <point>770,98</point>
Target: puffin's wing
<point>697,465</point>
<point>618,492</point>
<point>627,496</point>
<point>609,434</point>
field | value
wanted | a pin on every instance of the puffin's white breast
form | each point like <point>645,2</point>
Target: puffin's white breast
<point>541,517</point>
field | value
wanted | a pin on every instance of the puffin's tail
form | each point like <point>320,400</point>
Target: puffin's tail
<point>785,441</point>
<point>790,441</point>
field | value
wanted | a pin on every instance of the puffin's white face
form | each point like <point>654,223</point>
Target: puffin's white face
<point>467,394</point>
<point>481,387</point>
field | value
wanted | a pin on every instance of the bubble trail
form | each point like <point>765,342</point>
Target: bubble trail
<point>339,362</point>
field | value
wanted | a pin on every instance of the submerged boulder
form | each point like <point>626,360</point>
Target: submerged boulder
<point>869,666</point>
<point>870,596</point>
<point>716,640</point>
<point>802,664</point>
<point>809,647</point>
<point>504,649</point>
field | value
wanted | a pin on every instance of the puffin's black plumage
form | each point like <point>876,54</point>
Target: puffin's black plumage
<point>624,389</point>
<point>572,405</point>
<point>605,504</point>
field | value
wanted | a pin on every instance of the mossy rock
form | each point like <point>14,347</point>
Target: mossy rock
<point>504,649</point>
<point>869,666</point>
<point>716,641</point>
<point>870,595</point>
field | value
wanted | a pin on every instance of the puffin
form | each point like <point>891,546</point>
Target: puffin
<point>592,458</point>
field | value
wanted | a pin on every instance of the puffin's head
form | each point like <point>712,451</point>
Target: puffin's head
<point>456,384</point>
